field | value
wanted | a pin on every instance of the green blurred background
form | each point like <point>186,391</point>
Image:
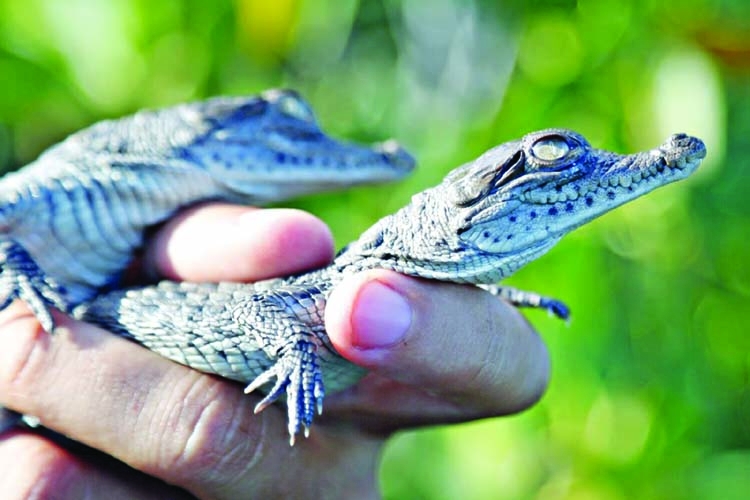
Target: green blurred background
<point>649,394</point>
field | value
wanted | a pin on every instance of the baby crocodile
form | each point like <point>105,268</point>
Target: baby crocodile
<point>485,220</point>
<point>71,220</point>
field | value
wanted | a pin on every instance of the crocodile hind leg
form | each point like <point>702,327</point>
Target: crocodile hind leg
<point>522,298</point>
<point>275,342</point>
<point>291,335</point>
<point>297,373</point>
<point>21,278</point>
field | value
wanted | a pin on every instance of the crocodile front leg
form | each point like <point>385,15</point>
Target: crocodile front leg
<point>21,278</point>
<point>522,298</point>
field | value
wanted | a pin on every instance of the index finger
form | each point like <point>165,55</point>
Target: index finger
<point>222,242</point>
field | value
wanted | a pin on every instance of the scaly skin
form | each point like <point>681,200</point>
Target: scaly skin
<point>70,221</point>
<point>482,223</point>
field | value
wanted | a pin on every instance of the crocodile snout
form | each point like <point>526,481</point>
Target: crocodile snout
<point>685,146</point>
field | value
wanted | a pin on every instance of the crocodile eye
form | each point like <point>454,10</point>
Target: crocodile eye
<point>551,148</point>
<point>295,107</point>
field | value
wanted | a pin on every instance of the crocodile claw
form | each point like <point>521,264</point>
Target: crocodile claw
<point>296,371</point>
<point>21,278</point>
<point>555,308</point>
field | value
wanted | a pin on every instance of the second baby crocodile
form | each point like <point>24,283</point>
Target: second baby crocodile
<point>71,220</point>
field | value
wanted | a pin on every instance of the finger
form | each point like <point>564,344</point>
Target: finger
<point>219,242</point>
<point>189,429</point>
<point>34,467</point>
<point>438,352</point>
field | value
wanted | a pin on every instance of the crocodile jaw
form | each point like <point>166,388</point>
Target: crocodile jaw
<point>542,211</point>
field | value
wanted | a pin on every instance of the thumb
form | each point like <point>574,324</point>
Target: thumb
<point>455,341</point>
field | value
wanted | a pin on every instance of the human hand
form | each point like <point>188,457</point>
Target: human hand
<point>463,355</point>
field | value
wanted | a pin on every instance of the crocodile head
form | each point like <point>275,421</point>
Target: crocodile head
<point>509,206</point>
<point>276,135</point>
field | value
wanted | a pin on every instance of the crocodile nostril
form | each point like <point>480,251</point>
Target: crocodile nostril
<point>391,152</point>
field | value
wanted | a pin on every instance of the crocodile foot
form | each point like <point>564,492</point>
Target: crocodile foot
<point>297,372</point>
<point>21,278</point>
<point>522,298</point>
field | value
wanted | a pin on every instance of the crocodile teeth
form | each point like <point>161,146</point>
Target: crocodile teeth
<point>572,194</point>
<point>625,180</point>
<point>542,197</point>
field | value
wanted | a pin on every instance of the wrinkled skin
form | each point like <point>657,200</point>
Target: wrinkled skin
<point>173,425</point>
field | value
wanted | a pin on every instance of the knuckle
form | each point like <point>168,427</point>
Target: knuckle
<point>216,436</point>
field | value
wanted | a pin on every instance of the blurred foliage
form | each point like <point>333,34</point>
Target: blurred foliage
<point>649,395</point>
